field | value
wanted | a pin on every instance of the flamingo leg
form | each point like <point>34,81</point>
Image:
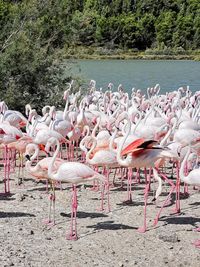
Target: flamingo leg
<point>108,188</point>
<point>168,197</point>
<point>146,191</point>
<point>73,229</point>
<point>129,186</point>
<point>113,182</point>
<point>6,171</point>
<point>177,208</point>
<point>102,197</point>
<point>95,186</point>
<point>52,199</point>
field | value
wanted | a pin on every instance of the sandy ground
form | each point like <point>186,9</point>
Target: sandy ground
<point>105,238</point>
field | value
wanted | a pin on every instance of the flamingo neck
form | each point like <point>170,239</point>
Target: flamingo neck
<point>96,127</point>
<point>88,155</point>
<point>181,173</point>
<point>50,168</point>
<point>121,161</point>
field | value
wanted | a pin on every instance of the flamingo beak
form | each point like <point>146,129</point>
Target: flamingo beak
<point>28,157</point>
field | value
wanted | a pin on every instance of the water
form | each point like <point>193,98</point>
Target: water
<point>170,74</point>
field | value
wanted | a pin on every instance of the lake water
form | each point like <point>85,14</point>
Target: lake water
<point>170,74</point>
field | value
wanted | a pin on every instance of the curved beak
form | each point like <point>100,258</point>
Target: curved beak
<point>27,157</point>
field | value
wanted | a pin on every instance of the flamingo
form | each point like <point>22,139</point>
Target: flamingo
<point>40,171</point>
<point>74,173</point>
<point>140,154</point>
<point>20,147</point>
<point>102,158</point>
<point>192,179</point>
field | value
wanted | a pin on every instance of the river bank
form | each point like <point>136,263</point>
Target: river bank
<point>98,53</point>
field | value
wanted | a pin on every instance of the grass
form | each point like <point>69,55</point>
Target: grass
<point>97,53</point>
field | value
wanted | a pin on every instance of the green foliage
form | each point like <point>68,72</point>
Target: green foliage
<point>35,34</point>
<point>32,35</point>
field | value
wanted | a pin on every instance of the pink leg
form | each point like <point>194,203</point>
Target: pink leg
<point>129,186</point>
<point>144,227</point>
<point>177,208</point>
<point>167,201</point>
<point>113,182</point>
<point>106,173</point>
<point>6,171</point>
<point>73,230</point>
<point>48,221</point>
<point>123,174</point>
<point>137,177</point>
<point>95,186</point>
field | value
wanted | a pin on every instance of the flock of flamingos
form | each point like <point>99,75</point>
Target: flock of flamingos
<point>151,137</point>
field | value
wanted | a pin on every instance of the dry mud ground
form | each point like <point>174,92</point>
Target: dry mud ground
<point>105,239</point>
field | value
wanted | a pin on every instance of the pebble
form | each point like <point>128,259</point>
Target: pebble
<point>172,238</point>
<point>20,197</point>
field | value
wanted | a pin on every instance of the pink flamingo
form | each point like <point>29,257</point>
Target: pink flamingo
<point>140,154</point>
<point>192,179</point>
<point>8,134</point>
<point>102,158</point>
<point>74,173</point>
<point>20,147</point>
<point>40,171</point>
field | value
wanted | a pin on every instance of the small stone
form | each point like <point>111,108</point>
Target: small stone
<point>31,232</point>
<point>173,238</point>
<point>20,197</point>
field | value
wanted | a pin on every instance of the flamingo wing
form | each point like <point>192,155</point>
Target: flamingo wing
<point>138,145</point>
<point>132,146</point>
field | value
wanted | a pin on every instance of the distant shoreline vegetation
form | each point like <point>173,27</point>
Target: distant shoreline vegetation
<point>99,53</point>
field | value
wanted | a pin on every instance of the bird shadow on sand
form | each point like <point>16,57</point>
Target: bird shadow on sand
<point>180,220</point>
<point>82,215</point>
<point>131,203</point>
<point>15,214</point>
<point>124,188</point>
<point>195,204</point>
<point>7,197</point>
<point>110,225</point>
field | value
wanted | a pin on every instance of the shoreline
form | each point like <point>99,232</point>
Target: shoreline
<point>101,53</point>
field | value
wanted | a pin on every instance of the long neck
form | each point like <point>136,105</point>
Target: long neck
<point>164,140</point>
<point>50,168</point>
<point>66,108</point>
<point>96,127</point>
<point>88,155</point>
<point>81,145</point>
<point>138,122</point>
<point>112,141</point>
<point>121,161</point>
<point>157,177</point>
<point>181,173</point>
